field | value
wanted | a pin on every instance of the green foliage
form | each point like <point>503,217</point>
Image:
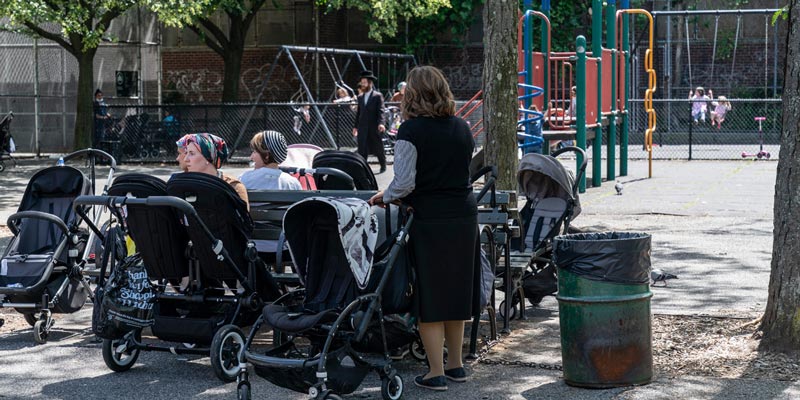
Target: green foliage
<point>382,16</point>
<point>456,19</point>
<point>783,14</point>
<point>79,21</point>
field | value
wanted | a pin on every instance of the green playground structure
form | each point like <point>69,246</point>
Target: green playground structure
<point>600,75</point>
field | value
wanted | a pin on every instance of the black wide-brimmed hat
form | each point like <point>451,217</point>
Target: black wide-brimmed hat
<point>368,74</point>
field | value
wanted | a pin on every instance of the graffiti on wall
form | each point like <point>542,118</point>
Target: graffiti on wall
<point>193,84</point>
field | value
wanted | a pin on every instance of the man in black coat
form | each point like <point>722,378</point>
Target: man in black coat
<point>370,122</point>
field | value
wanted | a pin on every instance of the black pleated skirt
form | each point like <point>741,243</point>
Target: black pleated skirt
<point>445,255</point>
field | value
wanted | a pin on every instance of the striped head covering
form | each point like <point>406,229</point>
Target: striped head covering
<point>181,143</point>
<point>212,147</point>
<point>272,142</point>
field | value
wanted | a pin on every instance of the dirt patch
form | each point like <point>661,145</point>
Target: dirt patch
<point>682,346</point>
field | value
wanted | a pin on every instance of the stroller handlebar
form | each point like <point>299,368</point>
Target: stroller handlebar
<point>92,153</point>
<point>321,171</point>
<point>14,218</point>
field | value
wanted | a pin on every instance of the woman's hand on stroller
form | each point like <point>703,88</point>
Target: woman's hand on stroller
<point>377,200</point>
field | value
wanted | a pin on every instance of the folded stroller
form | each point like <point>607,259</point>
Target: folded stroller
<point>7,146</point>
<point>43,269</point>
<point>350,163</point>
<point>194,244</point>
<point>551,192</point>
<point>325,333</point>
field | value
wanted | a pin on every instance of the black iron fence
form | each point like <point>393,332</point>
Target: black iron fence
<point>747,125</point>
<point>148,133</point>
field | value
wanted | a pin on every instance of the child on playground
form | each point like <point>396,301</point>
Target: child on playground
<point>699,104</point>
<point>721,107</point>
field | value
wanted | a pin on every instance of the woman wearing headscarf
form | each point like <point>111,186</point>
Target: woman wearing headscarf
<point>181,143</point>
<point>205,153</point>
<point>431,166</point>
<point>268,150</point>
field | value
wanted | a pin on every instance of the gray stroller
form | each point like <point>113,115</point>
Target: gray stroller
<point>551,192</point>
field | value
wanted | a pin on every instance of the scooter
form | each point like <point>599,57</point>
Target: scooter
<point>761,153</point>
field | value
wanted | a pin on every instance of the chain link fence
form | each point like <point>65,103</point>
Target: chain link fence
<point>677,136</point>
<point>144,133</point>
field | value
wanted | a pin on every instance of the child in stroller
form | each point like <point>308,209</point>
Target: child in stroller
<point>322,334</point>
<point>43,268</point>
<point>551,192</point>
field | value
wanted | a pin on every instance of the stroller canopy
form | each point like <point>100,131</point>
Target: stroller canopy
<point>541,176</point>
<point>356,228</point>
<point>300,155</point>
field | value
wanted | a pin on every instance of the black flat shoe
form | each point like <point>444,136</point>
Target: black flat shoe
<point>456,374</point>
<point>438,383</point>
<point>383,169</point>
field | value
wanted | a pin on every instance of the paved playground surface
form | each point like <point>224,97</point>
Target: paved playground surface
<point>711,224</point>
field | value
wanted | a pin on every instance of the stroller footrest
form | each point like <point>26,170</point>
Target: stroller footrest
<point>278,362</point>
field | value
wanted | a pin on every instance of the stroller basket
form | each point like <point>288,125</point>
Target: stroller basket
<point>287,367</point>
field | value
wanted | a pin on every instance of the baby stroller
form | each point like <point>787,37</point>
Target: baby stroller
<point>43,268</point>
<point>350,163</point>
<point>323,335</point>
<point>552,203</point>
<point>6,141</point>
<point>302,156</point>
<point>393,117</point>
<point>205,272</point>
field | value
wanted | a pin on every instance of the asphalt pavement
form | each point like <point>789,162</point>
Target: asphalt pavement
<point>711,223</point>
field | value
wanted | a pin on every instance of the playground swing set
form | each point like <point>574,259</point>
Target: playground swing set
<point>390,67</point>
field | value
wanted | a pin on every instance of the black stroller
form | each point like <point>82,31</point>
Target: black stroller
<point>6,141</point>
<point>552,202</point>
<point>43,270</point>
<point>350,163</point>
<point>206,273</point>
<point>326,335</point>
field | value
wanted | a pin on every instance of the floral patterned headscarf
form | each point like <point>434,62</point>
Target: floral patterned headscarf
<point>212,147</point>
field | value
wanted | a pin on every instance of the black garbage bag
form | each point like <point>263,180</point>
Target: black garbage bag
<point>618,257</point>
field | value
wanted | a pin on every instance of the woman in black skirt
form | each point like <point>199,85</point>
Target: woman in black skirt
<point>431,167</point>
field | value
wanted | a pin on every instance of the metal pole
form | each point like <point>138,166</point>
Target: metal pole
<point>752,11</point>
<point>611,40</point>
<point>546,52</point>
<point>527,54</point>
<point>597,53</point>
<point>623,139</point>
<point>691,125</point>
<point>36,95</point>
<point>775,57</point>
<point>580,109</point>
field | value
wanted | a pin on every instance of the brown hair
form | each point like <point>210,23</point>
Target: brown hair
<point>257,145</point>
<point>427,94</point>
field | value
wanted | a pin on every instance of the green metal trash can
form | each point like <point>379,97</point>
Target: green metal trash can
<point>604,308</point>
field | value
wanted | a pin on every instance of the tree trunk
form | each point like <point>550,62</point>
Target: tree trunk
<point>84,115</point>
<point>234,52</point>
<point>232,74</point>
<point>781,322</point>
<point>500,89</point>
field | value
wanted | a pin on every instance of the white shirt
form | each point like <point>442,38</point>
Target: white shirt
<point>269,179</point>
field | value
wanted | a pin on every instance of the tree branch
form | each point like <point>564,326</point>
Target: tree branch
<point>219,35</point>
<point>106,19</point>
<point>208,41</point>
<point>51,36</point>
<point>251,14</point>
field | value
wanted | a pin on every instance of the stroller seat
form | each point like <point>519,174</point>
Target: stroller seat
<point>296,320</point>
<point>546,217</point>
<point>159,236</point>
<point>351,163</point>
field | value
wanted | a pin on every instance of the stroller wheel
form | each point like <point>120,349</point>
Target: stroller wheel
<point>118,355</point>
<point>418,351</point>
<point>392,388</point>
<point>243,391</point>
<point>2,167</point>
<point>514,309</point>
<point>226,349</point>
<point>41,331</point>
<point>30,319</point>
<point>332,396</point>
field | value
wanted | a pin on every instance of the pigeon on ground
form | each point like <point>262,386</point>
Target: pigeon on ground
<point>618,187</point>
<point>658,275</point>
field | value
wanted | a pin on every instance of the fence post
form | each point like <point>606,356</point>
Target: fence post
<point>580,109</point>
<point>691,126</point>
